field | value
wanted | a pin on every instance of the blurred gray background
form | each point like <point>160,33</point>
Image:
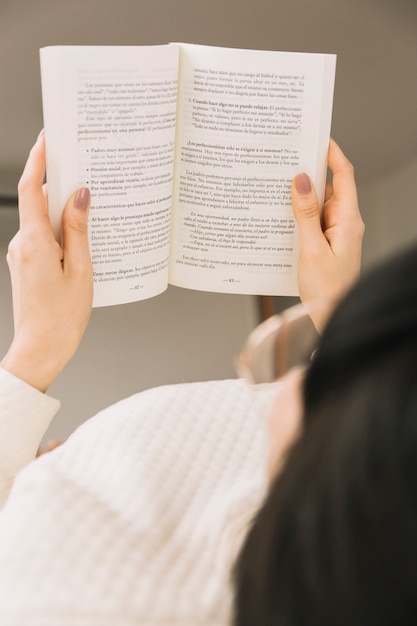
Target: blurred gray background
<point>182,335</point>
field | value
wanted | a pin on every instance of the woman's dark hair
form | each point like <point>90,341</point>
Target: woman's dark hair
<point>336,540</point>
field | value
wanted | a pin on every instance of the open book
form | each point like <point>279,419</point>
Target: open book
<point>189,152</point>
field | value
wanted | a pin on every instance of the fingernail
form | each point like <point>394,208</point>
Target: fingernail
<point>41,134</point>
<point>82,198</point>
<point>302,184</point>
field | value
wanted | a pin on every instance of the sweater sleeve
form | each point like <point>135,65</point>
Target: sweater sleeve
<point>25,414</point>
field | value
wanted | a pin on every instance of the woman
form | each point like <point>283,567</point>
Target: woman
<point>131,520</point>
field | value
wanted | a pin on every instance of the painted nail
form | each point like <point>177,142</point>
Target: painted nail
<point>302,184</point>
<point>82,198</point>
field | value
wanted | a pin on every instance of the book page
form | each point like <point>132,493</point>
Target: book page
<point>248,122</point>
<point>110,115</point>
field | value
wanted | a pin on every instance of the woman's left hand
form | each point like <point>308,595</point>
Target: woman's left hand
<point>52,284</point>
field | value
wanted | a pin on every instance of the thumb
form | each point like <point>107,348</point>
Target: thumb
<point>75,228</point>
<point>306,209</point>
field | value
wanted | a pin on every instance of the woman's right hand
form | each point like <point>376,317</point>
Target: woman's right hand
<point>331,241</point>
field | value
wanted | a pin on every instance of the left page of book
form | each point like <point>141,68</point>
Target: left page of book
<point>109,117</point>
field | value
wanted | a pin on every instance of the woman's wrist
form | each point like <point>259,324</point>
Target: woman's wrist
<point>36,372</point>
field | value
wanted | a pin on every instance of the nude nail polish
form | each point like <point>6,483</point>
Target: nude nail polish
<point>82,198</point>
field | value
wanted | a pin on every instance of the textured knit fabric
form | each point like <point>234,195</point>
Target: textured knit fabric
<point>25,414</point>
<point>137,518</point>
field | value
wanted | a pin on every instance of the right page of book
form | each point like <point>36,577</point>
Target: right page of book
<point>248,122</point>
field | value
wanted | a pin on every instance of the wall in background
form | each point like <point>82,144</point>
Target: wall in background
<point>389,205</point>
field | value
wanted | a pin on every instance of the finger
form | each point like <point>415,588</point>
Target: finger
<point>306,210</point>
<point>75,231</point>
<point>32,202</point>
<point>329,191</point>
<point>342,209</point>
<point>344,187</point>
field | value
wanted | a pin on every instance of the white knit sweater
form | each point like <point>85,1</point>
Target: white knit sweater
<point>136,519</point>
